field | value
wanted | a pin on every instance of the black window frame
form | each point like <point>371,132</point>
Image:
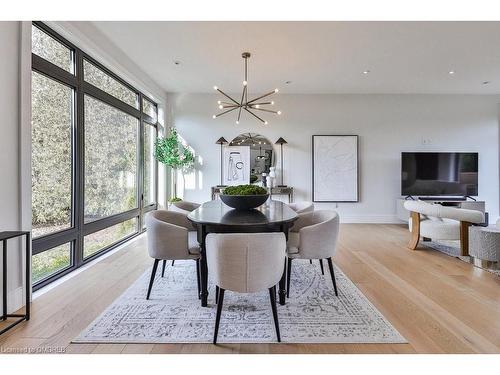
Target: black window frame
<point>79,229</point>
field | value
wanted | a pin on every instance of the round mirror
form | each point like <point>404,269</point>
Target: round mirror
<point>261,154</point>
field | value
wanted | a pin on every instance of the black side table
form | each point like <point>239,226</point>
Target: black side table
<point>4,236</point>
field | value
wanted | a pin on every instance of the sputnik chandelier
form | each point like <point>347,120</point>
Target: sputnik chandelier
<point>244,104</point>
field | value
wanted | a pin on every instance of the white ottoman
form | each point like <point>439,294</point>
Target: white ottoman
<point>484,246</point>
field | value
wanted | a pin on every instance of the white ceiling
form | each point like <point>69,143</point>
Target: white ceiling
<point>318,57</point>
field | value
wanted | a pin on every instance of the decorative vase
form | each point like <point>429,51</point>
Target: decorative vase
<point>272,176</point>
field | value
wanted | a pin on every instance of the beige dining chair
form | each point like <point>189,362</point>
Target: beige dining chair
<point>183,206</point>
<point>246,263</point>
<point>171,237</point>
<point>302,207</point>
<point>314,237</point>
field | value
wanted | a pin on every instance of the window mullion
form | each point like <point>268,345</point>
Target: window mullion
<point>79,160</point>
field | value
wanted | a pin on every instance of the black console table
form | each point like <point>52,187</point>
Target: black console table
<point>4,236</point>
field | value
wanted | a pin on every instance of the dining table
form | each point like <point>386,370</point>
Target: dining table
<point>217,217</point>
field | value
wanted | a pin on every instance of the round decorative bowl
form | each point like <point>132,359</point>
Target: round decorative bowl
<point>244,202</point>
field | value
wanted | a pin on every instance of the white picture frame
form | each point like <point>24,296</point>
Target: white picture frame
<point>335,168</point>
<point>236,170</point>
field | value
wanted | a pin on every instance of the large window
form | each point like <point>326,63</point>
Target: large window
<point>93,172</point>
<point>111,146</point>
<point>51,134</point>
<point>149,165</point>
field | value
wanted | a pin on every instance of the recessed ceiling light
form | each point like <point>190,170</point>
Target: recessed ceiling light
<point>288,82</point>
<point>486,82</point>
<point>366,72</point>
<point>451,72</point>
<point>177,62</point>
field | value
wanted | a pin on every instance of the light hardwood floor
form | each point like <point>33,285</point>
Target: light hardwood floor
<point>439,303</point>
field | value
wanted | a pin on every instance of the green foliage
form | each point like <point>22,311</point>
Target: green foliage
<point>175,199</point>
<point>46,263</point>
<point>253,178</point>
<point>245,190</point>
<point>51,151</point>
<point>170,152</point>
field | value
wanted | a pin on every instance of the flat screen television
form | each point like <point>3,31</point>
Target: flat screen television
<point>439,174</point>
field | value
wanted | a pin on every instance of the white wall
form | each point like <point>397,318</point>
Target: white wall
<point>386,124</point>
<point>10,218</point>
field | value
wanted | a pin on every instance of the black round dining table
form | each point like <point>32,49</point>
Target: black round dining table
<point>217,217</point>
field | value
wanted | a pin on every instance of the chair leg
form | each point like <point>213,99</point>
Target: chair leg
<point>310,261</point>
<point>321,264</point>
<point>219,310</point>
<point>332,274</point>
<point>216,294</point>
<point>288,273</point>
<point>163,268</point>
<point>198,277</point>
<point>153,273</point>
<point>173,262</point>
<point>272,295</point>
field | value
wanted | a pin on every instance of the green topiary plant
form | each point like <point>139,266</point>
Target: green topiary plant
<point>170,151</point>
<point>244,190</point>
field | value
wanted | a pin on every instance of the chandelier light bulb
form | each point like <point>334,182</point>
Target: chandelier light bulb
<point>214,116</point>
<point>279,112</point>
<point>257,106</point>
<point>276,90</point>
<point>245,83</point>
<point>220,107</point>
<point>272,103</point>
<point>216,88</point>
<point>265,122</point>
<point>219,102</point>
<point>237,122</point>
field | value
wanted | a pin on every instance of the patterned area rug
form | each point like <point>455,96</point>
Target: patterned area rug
<point>312,314</point>
<point>452,248</point>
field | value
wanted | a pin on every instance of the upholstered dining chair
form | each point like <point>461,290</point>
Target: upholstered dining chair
<point>302,207</point>
<point>314,236</point>
<point>246,263</point>
<point>171,236</point>
<point>183,206</point>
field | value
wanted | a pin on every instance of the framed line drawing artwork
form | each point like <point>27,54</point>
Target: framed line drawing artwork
<point>335,168</point>
<point>236,165</point>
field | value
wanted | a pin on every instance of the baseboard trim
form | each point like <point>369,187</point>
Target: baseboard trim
<point>369,219</point>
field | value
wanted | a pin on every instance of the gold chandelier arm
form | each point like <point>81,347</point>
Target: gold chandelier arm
<point>253,114</point>
<point>265,110</point>
<point>227,96</point>
<point>261,97</point>
<point>241,104</point>
<point>262,103</point>
<point>229,110</point>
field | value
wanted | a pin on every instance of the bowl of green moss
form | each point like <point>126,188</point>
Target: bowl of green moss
<point>244,197</point>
